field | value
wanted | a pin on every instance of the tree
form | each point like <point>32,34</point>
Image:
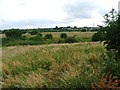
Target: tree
<point>112,32</point>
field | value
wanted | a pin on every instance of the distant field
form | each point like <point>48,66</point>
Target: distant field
<point>54,65</point>
<point>29,39</point>
<point>57,34</point>
<point>78,34</point>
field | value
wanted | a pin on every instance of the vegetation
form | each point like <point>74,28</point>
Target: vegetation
<point>77,65</point>
<point>39,38</point>
<point>110,34</point>
<point>48,36</point>
<point>63,35</point>
<point>55,66</point>
<point>113,32</point>
<point>33,32</point>
<point>13,33</point>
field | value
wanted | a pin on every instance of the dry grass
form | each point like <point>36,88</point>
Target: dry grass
<point>44,65</point>
<point>57,34</point>
<point>78,34</point>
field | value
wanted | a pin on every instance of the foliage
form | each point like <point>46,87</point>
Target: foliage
<point>107,82</point>
<point>38,37</point>
<point>13,33</point>
<point>112,31</point>
<point>63,35</point>
<point>33,32</point>
<point>70,39</point>
<point>48,36</point>
<point>51,66</point>
<point>100,35</point>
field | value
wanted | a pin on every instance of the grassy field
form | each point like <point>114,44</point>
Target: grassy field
<point>54,65</point>
<point>57,34</point>
<point>28,39</point>
<point>78,34</point>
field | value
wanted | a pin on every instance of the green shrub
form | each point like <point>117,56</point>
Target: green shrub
<point>34,32</point>
<point>63,35</point>
<point>37,37</point>
<point>96,37</point>
<point>48,36</point>
<point>13,33</point>
<point>83,30</point>
<point>70,39</point>
<point>99,36</point>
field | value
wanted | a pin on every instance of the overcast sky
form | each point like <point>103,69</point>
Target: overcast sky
<point>51,13</point>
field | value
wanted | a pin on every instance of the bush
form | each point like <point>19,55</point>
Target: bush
<point>13,33</point>
<point>37,37</point>
<point>112,32</point>
<point>70,40</point>
<point>34,32</point>
<point>83,30</point>
<point>48,36</point>
<point>63,35</point>
<point>99,36</point>
<point>96,37</point>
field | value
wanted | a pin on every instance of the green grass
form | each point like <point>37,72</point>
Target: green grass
<point>55,65</point>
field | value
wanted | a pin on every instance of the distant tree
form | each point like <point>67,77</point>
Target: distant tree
<point>63,35</point>
<point>83,30</point>
<point>56,28</point>
<point>75,26</point>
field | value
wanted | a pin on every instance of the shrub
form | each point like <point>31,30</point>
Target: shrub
<point>34,32</point>
<point>48,36</point>
<point>99,36</point>
<point>83,30</point>
<point>63,35</point>
<point>112,32</point>
<point>37,37</point>
<point>13,33</point>
<point>70,40</point>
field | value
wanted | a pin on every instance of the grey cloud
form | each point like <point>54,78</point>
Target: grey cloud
<point>82,10</point>
<point>26,23</point>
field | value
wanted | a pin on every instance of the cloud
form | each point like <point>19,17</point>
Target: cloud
<point>45,13</point>
<point>83,10</point>
<point>28,23</point>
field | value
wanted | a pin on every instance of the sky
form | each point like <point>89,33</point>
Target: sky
<point>51,13</point>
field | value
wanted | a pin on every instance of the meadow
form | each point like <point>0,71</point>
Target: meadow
<point>28,39</point>
<point>65,65</point>
<point>52,66</point>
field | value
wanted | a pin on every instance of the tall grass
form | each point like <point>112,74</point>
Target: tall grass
<point>52,66</point>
